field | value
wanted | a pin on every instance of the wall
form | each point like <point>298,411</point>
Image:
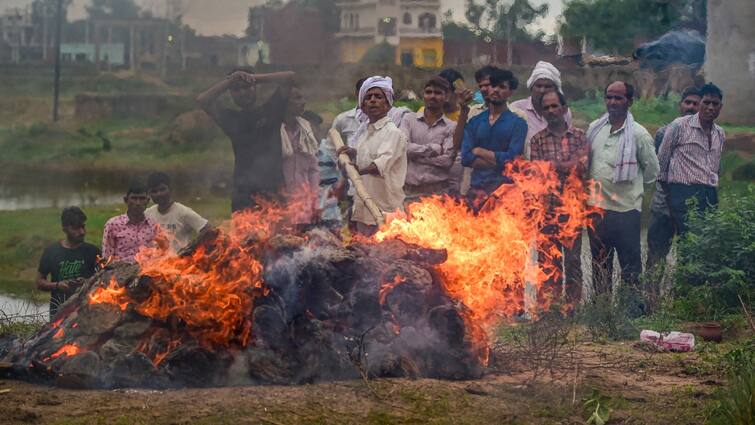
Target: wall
<point>730,57</point>
<point>417,46</point>
<point>351,49</point>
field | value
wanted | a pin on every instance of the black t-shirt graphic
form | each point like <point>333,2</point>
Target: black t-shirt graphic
<point>255,137</point>
<point>60,263</point>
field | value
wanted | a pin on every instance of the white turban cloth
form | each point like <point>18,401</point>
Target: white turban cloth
<point>383,83</point>
<point>545,70</point>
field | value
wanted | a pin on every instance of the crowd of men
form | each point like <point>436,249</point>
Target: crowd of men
<point>450,146</point>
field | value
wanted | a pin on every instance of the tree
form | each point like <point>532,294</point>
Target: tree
<point>494,20</point>
<point>327,8</point>
<point>122,9</point>
<point>613,25</point>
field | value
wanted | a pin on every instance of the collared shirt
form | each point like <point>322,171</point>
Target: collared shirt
<point>659,204</point>
<point>346,124</point>
<point>453,116</point>
<point>122,239</point>
<point>384,145</point>
<point>429,150</point>
<point>688,156</point>
<point>626,195</point>
<point>573,145</point>
<point>505,137</point>
<point>535,122</point>
<point>395,114</point>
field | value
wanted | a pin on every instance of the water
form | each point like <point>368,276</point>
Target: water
<point>17,199</point>
<point>22,309</point>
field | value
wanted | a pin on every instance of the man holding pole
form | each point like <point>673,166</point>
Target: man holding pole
<point>380,157</point>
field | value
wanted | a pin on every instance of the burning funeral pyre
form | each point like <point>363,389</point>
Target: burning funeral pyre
<point>256,302</point>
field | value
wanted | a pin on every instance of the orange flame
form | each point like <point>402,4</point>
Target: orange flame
<point>488,253</point>
<point>112,294</point>
<point>67,350</point>
<point>59,333</point>
<point>387,287</point>
<point>213,290</point>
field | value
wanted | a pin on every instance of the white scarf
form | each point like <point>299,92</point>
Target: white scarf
<point>625,167</point>
<point>306,142</point>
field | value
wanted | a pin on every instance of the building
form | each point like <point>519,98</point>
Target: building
<point>113,53</point>
<point>411,26</point>
<point>730,57</point>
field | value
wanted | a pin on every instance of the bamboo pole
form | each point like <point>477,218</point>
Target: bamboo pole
<point>355,178</point>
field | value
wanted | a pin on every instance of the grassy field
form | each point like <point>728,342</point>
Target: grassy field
<point>24,234</point>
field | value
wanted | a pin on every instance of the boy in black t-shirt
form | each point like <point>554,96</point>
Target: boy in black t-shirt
<point>67,262</point>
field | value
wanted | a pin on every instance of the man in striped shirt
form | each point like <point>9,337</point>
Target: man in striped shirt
<point>690,157</point>
<point>661,229</point>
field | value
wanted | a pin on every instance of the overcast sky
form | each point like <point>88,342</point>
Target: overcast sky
<point>217,17</point>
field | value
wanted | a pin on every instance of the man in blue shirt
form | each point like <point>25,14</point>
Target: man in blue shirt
<point>493,138</point>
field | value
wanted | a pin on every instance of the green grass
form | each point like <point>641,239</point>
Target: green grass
<point>651,113</point>
<point>24,235</point>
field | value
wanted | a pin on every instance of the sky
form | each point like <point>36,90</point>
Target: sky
<point>217,17</point>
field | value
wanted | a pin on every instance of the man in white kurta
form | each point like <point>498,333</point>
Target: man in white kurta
<point>379,157</point>
<point>385,146</point>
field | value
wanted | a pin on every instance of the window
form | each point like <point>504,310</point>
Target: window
<point>407,18</point>
<point>427,22</point>
<point>387,26</point>
<point>356,21</point>
<point>351,20</point>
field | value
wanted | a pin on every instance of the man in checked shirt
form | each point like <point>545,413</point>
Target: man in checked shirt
<point>567,148</point>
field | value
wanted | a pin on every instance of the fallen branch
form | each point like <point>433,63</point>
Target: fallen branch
<point>355,178</point>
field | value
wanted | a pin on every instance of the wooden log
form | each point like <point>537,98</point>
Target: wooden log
<point>356,179</point>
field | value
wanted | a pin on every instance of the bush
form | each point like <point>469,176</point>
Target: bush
<point>379,54</point>
<point>734,403</point>
<point>717,260</point>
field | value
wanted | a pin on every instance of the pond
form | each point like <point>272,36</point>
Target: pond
<point>14,198</point>
<point>22,308</point>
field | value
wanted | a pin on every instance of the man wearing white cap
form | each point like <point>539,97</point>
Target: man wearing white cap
<point>380,155</point>
<point>545,77</point>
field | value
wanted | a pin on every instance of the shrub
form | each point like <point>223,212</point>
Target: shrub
<point>717,260</point>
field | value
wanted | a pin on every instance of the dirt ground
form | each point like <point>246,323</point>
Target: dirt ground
<point>644,388</point>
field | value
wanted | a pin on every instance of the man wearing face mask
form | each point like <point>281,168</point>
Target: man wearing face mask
<point>65,264</point>
<point>661,230</point>
<point>380,156</point>
<point>545,78</point>
<point>254,132</point>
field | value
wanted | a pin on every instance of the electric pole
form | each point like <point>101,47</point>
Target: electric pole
<point>56,84</point>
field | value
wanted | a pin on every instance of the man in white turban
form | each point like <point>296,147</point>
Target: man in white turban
<point>380,155</point>
<point>545,77</point>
